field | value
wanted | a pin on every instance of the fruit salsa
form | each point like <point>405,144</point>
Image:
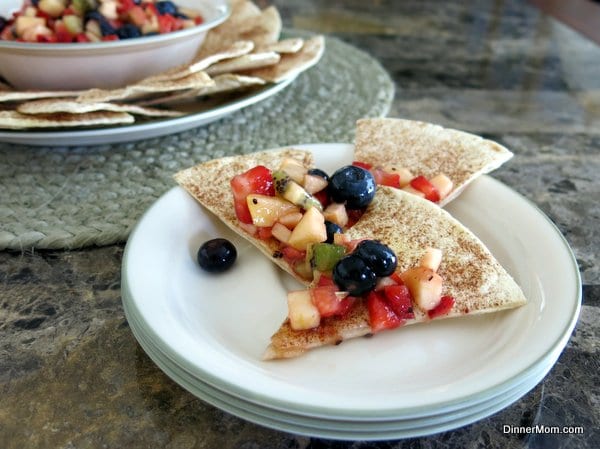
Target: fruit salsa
<point>67,21</point>
<point>306,212</point>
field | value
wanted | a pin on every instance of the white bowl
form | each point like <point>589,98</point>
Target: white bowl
<point>107,64</point>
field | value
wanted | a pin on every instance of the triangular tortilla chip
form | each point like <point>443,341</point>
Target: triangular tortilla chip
<point>291,45</point>
<point>50,106</point>
<point>208,183</point>
<point>294,63</point>
<point>17,120</point>
<point>409,224</point>
<point>427,149</point>
<point>25,95</point>
<point>244,62</point>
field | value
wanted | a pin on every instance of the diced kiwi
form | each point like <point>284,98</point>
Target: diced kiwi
<point>323,256</point>
<point>73,23</point>
<point>287,188</point>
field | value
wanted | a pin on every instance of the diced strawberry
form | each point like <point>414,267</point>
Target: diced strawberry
<point>62,33</point>
<point>264,233</point>
<point>323,197</point>
<point>381,315</point>
<point>399,299</point>
<point>325,281</point>
<point>421,184</point>
<point>362,165</point>
<point>353,216</point>
<point>166,23</point>
<point>396,277</point>
<point>198,20</point>
<point>48,39</point>
<point>125,6</point>
<point>328,303</point>
<point>256,180</point>
<point>442,308</point>
<point>81,37</point>
<point>110,37</point>
<point>384,178</point>
<point>137,15</point>
<point>292,255</point>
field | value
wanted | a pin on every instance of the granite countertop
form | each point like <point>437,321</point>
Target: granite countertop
<point>73,376</point>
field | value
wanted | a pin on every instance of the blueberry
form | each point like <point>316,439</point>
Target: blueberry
<point>331,228</point>
<point>353,186</point>
<point>379,257</point>
<point>216,255</point>
<point>166,7</point>
<point>128,31</point>
<point>2,23</point>
<point>353,275</point>
<point>319,172</point>
<point>105,27</point>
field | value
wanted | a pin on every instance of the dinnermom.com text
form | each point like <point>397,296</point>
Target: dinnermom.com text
<point>540,428</point>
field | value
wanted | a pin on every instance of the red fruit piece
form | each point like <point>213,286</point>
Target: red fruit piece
<point>325,281</point>
<point>362,165</point>
<point>323,197</point>
<point>445,305</point>
<point>256,180</point>
<point>265,233</point>
<point>422,184</point>
<point>292,255</point>
<point>400,301</point>
<point>384,178</point>
<point>381,315</point>
<point>328,303</point>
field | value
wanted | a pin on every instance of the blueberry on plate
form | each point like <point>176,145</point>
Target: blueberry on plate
<point>353,275</point>
<point>379,257</point>
<point>353,186</point>
<point>166,7</point>
<point>216,255</point>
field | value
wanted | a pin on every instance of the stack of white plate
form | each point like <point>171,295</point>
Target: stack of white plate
<point>208,332</point>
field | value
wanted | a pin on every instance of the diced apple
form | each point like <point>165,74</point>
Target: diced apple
<point>30,11</point>
<point>443,184</point>
<point>290,219</point>
<point>294,169</point>
<point>404,173</point>
<point>425,286</point>
<point>414,191</point>
<point>341,239</point>
<point>313,183</point>
<point>303,314</point>
<point>24,22</point>
<point>151,25</point>
<point>108,9</point>
<point>280,232</point>
<point>311,229</point>
<point>265,210</point>
<point>53,8</point>
<point>337,214</point>
<point>431,259</point>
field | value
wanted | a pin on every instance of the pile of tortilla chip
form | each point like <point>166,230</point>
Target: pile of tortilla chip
<point>242,53</point>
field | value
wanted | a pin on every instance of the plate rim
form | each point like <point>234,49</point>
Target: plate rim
<point>258,398</point>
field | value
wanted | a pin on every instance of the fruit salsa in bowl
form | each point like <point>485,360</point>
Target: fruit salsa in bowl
<point>82,44</point>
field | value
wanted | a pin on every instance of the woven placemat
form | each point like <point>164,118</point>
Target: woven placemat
<point>61,198</point>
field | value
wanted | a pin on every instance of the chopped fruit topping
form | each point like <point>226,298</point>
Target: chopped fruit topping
<point>266,210</point>
<point>381,315</point>
<point>329,302</point>
<point>256,180</point>
<point>313,183</point>
<point>445,305</point>
<point>353,275</point>
<point>332,229</point>
<point>399,299</point>
<point>353,186</point>
<point>310,229</point>
<point>280,232</point>
<point>362,165</point>
<point>318,172</point>
<point>287,188</point>
<point>425,286</point>
<point>294,169</point>
<point>302,313</point>
<point>404,173</point>
<point>337,214</point>
<point>443,184</point>
<point>291,219</point>
<point>379,257</point>
<point>421,184</point>
<point>384,178</point>
<point>324,256</point>
<point>431,259</point>
<point>416,192</point>
<point>216,255</point>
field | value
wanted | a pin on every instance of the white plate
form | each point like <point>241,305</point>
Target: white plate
<point>324,428</point>
<point>144,130</point>
<point>216,327</point>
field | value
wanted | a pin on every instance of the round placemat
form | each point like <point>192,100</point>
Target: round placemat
<point>73,197</point>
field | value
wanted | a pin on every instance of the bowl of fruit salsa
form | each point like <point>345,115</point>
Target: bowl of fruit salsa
<point>81,44</point>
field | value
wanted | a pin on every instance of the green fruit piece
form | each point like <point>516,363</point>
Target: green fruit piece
<point>323,256</point>
<point>73,23</point>
<point>287,188</point>
<point>80,6</point>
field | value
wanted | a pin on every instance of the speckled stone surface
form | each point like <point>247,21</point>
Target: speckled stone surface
<point>72,374</point>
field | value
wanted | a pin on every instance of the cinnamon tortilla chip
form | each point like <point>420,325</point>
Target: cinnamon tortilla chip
<point>223,83</point>
<point>17,120</point>
<point>294,63</point>
<point>25,95</point>
<point>137,90</point>
<point>291,45</point>
<point>50,106</point>
<point>244,62</point>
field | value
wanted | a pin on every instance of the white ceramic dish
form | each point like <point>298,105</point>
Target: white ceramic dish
<point>216,327</point>
<point>197,115</point>
<point>103,64</point>
<point>325,428</point>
